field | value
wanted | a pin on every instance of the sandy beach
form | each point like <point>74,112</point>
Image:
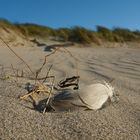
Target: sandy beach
<point>120,121</point>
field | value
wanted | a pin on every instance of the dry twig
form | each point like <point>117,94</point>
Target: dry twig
<point>40,87</point>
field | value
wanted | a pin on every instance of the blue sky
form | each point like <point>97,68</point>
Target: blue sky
<point>68,13</point>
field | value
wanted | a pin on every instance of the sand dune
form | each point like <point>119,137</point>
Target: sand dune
<point>120,121</point>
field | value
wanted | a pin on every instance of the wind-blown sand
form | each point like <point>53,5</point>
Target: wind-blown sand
<point>120,121</point>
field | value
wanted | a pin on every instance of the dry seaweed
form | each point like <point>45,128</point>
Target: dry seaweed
<point>71,81</point>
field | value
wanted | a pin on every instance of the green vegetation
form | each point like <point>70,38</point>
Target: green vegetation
<point>125,34</point>
<point>75,34</point>
<point>6,24</point>
<point>82,35</point>
<point>35,30</point>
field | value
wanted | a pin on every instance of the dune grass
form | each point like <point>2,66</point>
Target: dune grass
<point>75,34</point>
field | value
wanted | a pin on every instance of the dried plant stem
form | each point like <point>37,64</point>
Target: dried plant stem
<point>45,60</point>
<point>76,60</point>
<point>40,86</point>
<point>38,89</point>
<point>47,73</point>
<point>16,81</point>
<point>52,87</point>
<point>17,55</point>
<point>26,95</point>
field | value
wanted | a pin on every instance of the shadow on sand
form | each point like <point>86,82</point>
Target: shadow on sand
<point>54,46</point>
<point>64,101</point>
<point>50,48</point>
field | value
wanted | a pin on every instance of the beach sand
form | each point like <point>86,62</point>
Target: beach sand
<point>120,121</point>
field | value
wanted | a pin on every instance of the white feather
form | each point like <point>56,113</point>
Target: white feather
<point>95,95</point>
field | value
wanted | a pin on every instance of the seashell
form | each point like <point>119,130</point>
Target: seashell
<point>96,95</point>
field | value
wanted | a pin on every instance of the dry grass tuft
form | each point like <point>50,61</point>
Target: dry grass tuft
<point>39,85</point>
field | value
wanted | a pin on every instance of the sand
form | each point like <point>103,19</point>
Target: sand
<point>120,121</point>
